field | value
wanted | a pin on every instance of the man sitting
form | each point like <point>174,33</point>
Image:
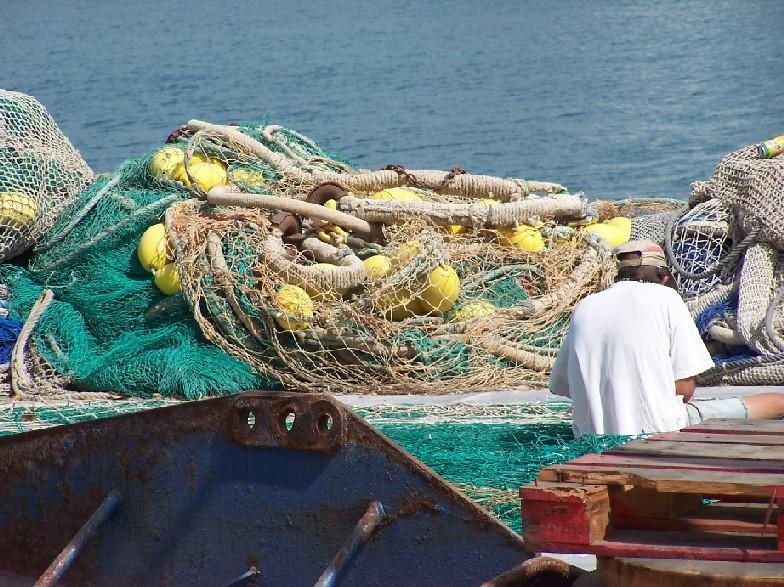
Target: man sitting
<point>632,353</point>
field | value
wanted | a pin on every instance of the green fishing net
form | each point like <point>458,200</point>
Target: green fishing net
<point>109,328</point>
<point>488,452</point>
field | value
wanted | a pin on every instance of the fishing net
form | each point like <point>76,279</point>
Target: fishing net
<point>395,281</point>
<point>40,172</point>
<point>278,263</point>
<point>95,319</point>
<point>725,253</point>
<point>296,269</point>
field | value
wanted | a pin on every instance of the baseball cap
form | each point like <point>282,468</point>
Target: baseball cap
<point>650,253</point>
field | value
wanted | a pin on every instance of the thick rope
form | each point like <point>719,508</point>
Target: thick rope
<point>225,196</point>
<point>757,283</point>
<point>566,292</point>
<point>468,185</point>
<point>773,336</point>
<point>502,348</point>
<point>21,381</point>
<point>475,215</point>
<point>350,274</point>
<point>701,303</point>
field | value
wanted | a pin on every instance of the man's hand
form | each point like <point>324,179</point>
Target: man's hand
<point>685,387</point>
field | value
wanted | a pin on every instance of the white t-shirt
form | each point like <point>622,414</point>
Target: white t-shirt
<point>625,348</point>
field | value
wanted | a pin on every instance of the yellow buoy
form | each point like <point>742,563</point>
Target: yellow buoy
<point>624,226</point>
<point>197,158</point>
<point>397,194</point>
<point>17,210</point>
<point>167,163</point>
<point>614,234</point>
<point>377,266</point>
<point>399,305</point>
<point>168,280</point>
<point>295,307</point>
<point>441,289</point>
<point>318,294</point>
<point>522,237</point>
<point>404,253</point>
<point>207,175</point>
<point>473,310</point>
<point>153,249</point>
<point>248,177</point>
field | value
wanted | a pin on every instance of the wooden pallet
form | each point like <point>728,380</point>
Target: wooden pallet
<point>646,497</point>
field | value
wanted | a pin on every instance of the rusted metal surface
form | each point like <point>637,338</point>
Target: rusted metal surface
<point>359,536</point>
<point>74,547</point>
<point>205,498</point>
<point>315,425</point>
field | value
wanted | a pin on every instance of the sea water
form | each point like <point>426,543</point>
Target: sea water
<point>621,98</point>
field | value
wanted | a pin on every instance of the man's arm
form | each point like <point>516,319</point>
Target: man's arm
<point>559,376</point>
<point>685,387</point>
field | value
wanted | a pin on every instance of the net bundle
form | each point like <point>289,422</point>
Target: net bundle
<point>725,250</point>
<point>40,172</point>
<point>247,256</point>
<point>95,320</point>
<point>393,281</point>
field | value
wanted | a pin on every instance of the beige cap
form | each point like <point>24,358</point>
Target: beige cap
<point>650,253</point>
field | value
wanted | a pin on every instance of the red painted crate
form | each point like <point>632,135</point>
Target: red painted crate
<point>646,498</point>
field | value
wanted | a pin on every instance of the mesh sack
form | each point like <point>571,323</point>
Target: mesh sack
<point>40,172</point>
<point>698,242</point>
<point>752,187</point>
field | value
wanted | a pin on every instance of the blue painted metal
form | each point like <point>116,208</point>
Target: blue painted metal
<point>359,536</point>
<point>74,547</point>
<point>207,491</point>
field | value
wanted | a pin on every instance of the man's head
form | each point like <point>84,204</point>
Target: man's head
<point>643,260</point>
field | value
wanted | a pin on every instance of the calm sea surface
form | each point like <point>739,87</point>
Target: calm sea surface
<point>613,98</point>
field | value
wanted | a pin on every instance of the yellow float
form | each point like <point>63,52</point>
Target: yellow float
<point>404,253</point>
<point>397,194</point>
<point>399,305</point>
<point>153,249</point>
<point>523,237</point>
<point>473,310</point>
<point>295,308</point>
<point>167,163</point>
<point>168,280</point>
<point>17,210</point>
<point>248,177</point>
<point>377,267</point>
<point>206,175</point>
<point>441,289</point>
<point>613,232</point>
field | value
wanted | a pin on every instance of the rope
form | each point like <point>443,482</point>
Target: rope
<point>467,185</point>
<point>731,258</point>
<point>225,196</point>
<point>773,336</point>
<point>475,214</point>
<point>20,377</point>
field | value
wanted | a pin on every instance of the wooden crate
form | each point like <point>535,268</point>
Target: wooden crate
<point>648,498</point>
